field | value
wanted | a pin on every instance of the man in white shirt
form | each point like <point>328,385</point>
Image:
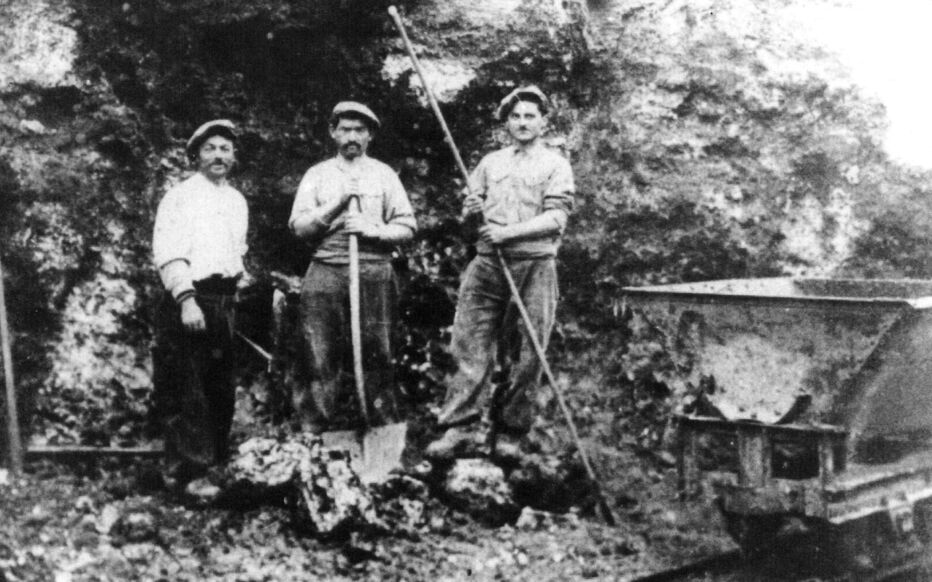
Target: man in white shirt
<point>198,247</point>
<point>350,193</point>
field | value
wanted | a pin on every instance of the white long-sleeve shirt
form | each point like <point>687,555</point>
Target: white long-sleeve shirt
<point>200,231</point>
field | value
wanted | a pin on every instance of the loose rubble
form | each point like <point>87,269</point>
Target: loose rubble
<point>326,493</point>
<point>479,488</point>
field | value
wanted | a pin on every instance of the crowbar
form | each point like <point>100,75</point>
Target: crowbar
<point>269,358</point>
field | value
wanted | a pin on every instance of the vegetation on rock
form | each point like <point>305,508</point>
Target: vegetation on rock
<point>710,139</point>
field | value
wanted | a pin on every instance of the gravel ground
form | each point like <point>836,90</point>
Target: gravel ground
<point>112,523</point>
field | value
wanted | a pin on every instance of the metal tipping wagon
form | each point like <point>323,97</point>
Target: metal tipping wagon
<point>817,405</point>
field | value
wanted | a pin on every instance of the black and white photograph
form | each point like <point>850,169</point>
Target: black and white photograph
<point>465,290</point>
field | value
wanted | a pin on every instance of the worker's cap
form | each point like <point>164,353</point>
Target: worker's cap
<point>354,110</point>
<point>223,127</point>
<point>526,93</point>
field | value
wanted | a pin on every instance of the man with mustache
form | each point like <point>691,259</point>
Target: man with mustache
<point>198,247</point>
<point>350,193</point>
<point>525,192</point>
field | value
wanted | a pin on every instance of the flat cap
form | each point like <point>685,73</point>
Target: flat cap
<point>354,109</point>
<point>526,93</point>
<point>223,127</point>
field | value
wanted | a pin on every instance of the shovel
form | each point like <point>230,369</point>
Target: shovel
<point>374,451</point>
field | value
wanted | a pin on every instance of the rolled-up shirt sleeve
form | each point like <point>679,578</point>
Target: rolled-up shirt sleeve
<point>171,245</point>
<point>306,214</point>
<point>559,195</point>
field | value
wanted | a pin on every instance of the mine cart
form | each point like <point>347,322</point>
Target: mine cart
<point>809,406</point>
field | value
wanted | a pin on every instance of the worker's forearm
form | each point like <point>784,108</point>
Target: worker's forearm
<point>543,225</point>
<point>395,233</point>
<point>315,223</point>
<point>176,277</point>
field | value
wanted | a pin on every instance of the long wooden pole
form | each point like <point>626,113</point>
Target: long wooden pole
<point>15,445</point>
<point>513,287</point>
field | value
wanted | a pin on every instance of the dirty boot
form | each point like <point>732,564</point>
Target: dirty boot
<point>456,442</point>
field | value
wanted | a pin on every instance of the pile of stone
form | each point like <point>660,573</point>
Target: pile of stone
<point>328,499</point>
<point>324,492</point>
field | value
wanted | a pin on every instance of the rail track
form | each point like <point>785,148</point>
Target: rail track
<point>731,567</point>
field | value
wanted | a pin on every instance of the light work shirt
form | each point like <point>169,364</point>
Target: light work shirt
<point>519,185</point>
<point>382,199</point>
<point>200,231</point>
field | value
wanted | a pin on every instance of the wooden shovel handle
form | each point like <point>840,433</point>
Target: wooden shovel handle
<point>355,325</point>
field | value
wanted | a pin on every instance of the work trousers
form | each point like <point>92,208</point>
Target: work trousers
<point>488,333</point>
<point>329,399</point>
<point>192,376</point>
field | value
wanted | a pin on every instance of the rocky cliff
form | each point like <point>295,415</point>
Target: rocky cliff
<point>710,139</point>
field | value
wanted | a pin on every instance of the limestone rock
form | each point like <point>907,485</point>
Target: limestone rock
<point>332,495</point>
<point>534,519</point>
<point>135,527</point>
<point>479,488</point>
<point>267,463</point>
<point>329,498</point>
<point>402,502</point>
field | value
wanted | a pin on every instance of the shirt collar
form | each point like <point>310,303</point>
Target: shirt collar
<point>206,182</point>
<point>344,166</point>
<point>529,152</point>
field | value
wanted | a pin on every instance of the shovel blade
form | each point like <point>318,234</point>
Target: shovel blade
<point>382,448</point>
<point>374,453</point>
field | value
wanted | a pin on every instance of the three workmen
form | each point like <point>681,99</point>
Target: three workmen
<point>523,192</point>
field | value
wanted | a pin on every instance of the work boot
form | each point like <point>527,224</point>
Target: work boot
<point>456,442</point>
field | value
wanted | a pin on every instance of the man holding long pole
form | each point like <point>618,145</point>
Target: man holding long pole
<point>525,191</point>
<point>350,197</point>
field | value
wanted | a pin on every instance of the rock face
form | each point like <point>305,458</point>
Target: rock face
<point>709,139</point>
<point>37,47</point>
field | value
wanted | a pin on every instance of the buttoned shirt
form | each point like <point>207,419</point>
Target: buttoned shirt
<point>382,199</point>
<point>200,231</point>
<point>518,185</point>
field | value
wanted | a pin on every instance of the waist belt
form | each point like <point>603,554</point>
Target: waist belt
<point>216,285</point>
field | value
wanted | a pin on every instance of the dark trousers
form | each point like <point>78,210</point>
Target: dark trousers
<point>194,392</point>
<point>488,331</point>
<point>328,400</point>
